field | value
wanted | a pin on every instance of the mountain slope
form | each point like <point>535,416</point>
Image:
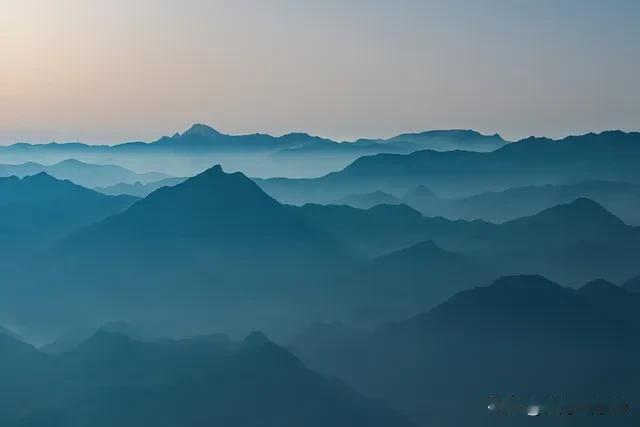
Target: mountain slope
<point>520,336</point>
<point>571,243</point>
<point>37,209</point>
<point>614,300</point>
<point>113,380</point>
<point>420,276</point>
<point>194,250</point>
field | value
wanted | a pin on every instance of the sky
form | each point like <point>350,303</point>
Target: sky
<point>112,71</point>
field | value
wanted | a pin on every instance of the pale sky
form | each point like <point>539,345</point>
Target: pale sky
<point>103,71</point>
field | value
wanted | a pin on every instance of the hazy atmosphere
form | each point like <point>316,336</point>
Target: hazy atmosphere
<point>114,71</point>
<point>260,213</point>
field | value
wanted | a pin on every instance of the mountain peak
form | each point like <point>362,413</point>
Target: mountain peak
<point>601,287</point>
<point>215,191</point>
<point>424,252</point>
<point>200,129</point>
<point>582,213</point>
<point>421,191</point>
<point>40,177</point>
<point>587,208</point>
<point>212,171</point>
<point>71,162</point>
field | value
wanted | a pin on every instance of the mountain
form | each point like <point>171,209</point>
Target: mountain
<point>113,380</point>
<point>295,154</point>
<point>193,250</point>
<point>213,209</point>
<point>75,337</point>
<point>387,228</point>
<point>620,198</point>
<point>369,200</point>
<point>615,300</point>
<point>515,339</point>
<point>416,278</point>
<point>139,189</point>
<point>449,140</point>
<point>571,243</point>
<point>88,175</point>
<point>533,161</point>
<point>37,209</point>
<point>423,199</point>
<point>581,216</point>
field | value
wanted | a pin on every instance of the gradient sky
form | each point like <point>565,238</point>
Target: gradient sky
<point>111,71</point>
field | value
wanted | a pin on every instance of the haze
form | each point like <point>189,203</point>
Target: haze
<point>107,72</point>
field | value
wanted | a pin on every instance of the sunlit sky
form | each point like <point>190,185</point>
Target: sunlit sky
<point>102,71</point>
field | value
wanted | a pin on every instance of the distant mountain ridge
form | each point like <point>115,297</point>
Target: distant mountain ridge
<point>571,242</point>
<point>139,189</point>
<point>607,156</point>
<point>292,154</point>
<point>85,174</point>
<point>621,198</point>
<point>201,134</point>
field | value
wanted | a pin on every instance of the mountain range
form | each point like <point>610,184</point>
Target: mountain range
<point>571,243</point>
<point>110,379</point>
<point>88,175</point>
<point>293,154</point>
<point>139,189</point>
<point>522,338</point>
<point>38,209</point>
<point>388,289</point>
<point>607,156</point>
<point>620,198</point>
<point>186,250</point>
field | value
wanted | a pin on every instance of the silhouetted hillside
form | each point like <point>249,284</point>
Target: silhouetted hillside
<point>521,336</point>
<point>113,380</point>
<point>416,278</point>
<point>191,250</point>
<point>615,300</point>
<point>36,209</point>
